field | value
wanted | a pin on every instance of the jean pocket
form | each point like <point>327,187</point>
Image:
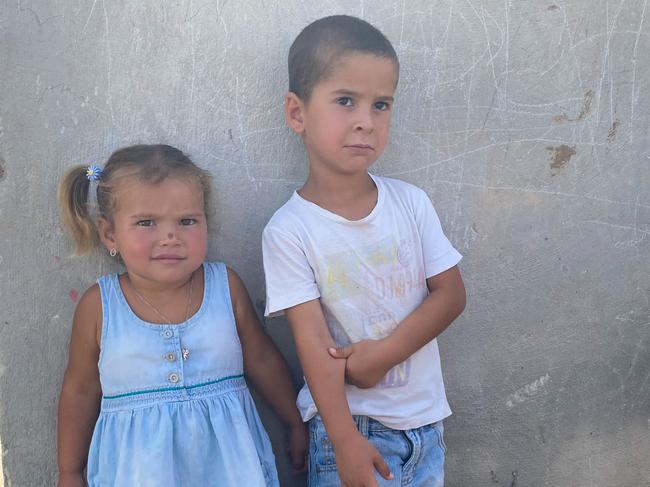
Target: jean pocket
<point>321,450</point>
<point>440,431</point>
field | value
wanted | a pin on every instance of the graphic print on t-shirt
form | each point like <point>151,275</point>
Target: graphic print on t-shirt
<point>358,290</point>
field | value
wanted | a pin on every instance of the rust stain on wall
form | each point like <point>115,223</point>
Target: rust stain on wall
<point>585,111</point>
<point>560,156</point>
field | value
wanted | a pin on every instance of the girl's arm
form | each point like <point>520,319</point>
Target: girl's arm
<point>267,370</point>
<point>81,392</point>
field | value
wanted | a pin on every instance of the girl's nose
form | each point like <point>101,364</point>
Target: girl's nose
<point>171,237</point>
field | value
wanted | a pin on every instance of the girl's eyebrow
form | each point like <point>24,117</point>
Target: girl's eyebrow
<point>153,215</point>
<point>142,215</point>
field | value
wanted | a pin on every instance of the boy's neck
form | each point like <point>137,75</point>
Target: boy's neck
<point>351,196</point>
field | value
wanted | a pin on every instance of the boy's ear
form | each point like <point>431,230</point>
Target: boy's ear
<point>294,112</point>
<point>106,233</point>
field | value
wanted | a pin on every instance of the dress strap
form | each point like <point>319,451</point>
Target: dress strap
<point>217,275</point>
<point>108,287</point>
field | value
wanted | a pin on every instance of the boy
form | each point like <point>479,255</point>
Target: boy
<point>360,262</point>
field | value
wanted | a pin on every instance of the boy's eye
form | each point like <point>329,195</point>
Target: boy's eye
<point>144,223</point>
<point>382,105</point>
<point>188,221</point>
<point>345,101</point>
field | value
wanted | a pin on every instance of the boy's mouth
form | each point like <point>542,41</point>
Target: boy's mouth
<point>360,146</point>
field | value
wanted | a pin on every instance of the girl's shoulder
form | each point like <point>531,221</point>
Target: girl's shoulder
<point>90,300</point>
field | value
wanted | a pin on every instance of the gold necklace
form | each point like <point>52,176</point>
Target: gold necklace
<point>184,351</point>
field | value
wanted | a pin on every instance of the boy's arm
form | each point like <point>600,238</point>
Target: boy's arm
<point>81,391</point>
<point>356,458</point>
<point>369,360</point>
<point>268,371</point>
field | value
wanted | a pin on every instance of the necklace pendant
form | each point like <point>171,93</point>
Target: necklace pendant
<point>186,353</point>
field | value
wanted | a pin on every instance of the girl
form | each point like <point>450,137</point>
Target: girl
<point>154,393</point>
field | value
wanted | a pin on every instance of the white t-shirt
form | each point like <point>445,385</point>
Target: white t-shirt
<point>369,275</point>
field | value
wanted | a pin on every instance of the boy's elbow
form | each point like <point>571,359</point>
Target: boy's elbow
<point>462,304</point>
<point>460,300</point>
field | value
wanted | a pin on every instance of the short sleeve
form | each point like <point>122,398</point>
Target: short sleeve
<point>289,277</point>
<point>439,254</point>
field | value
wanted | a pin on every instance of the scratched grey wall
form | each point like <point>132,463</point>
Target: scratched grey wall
<point>527,122</point>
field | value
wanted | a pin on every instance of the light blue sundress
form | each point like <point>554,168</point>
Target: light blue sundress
<point>175,409</point>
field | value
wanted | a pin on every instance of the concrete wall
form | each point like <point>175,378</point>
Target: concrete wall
<point>527,122</point>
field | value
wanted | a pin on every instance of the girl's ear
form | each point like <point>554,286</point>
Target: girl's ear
<point>106,234</point>
<point>294,112</point>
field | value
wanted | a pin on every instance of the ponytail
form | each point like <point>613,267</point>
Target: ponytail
<point>73,203</point>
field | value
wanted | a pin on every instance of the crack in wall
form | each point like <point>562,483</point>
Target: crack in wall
<point>2,471</point>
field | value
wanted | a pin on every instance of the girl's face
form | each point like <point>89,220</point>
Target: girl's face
<point>160,230</point>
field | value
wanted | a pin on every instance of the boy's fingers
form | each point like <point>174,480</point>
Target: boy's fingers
<point>381,467</point>
<point>340,352</point>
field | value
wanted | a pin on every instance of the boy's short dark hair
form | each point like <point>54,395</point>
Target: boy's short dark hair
<point>324,42</point>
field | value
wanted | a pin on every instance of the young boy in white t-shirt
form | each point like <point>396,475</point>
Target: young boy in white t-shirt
<point>363,271</point>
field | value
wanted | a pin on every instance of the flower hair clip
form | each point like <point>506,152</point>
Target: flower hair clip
<point>93,173</point>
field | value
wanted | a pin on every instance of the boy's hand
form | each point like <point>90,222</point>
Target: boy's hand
<point>298,439</point>
<point>366,362</point>
<point>356,462</point>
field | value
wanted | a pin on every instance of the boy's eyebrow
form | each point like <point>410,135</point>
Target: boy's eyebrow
<point>346,92</point>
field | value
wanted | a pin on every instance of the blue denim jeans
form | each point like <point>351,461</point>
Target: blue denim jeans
<point>415,457</point>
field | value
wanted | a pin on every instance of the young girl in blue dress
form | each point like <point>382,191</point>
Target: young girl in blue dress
<point>154,392</point>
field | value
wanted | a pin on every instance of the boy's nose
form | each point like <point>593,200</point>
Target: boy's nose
<point>364,121</point>
<point>363,125</point>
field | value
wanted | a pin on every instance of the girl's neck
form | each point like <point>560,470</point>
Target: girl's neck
<point>168,303</point>
<point>156,288</point>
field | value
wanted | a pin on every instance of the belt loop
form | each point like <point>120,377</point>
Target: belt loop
<point>362,425</point>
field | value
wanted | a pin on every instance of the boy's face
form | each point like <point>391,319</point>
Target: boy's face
<point>344,125</point>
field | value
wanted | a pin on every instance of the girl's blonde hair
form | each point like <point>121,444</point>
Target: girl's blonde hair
<point>150,164</point>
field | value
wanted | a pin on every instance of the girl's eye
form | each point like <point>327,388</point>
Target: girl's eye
<point>188,221</point>
<point>345,101</point>
<point>382,105</point>
<point>145,223</point>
